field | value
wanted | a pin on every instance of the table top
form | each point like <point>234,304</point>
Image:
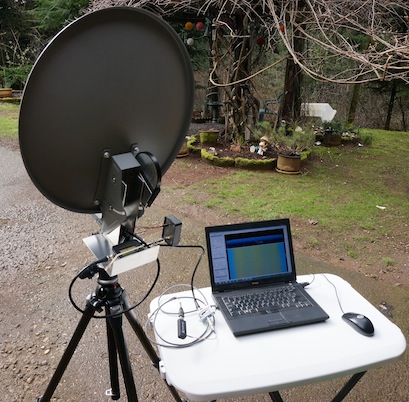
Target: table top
<point>225,366</point>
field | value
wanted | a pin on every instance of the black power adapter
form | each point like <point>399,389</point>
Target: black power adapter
<point>171,230</point>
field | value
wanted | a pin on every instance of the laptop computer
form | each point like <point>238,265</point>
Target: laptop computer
<point>247,259</point>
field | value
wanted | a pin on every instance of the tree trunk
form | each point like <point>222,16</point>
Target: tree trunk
<point>391,104</point>
<point>354,103</point>
<point>244,106</point>
<point>291,110</point>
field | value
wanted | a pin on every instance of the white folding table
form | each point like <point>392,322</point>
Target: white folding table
<point>224,366</point>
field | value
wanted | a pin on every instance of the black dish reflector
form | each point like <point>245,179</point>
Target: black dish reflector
<point>115,81</point>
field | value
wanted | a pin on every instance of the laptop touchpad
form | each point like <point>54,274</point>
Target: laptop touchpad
<point>274,318</point>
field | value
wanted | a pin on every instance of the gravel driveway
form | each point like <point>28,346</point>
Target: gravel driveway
<point>41,249</point>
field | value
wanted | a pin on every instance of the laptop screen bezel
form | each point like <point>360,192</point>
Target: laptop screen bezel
<point>276,223</point>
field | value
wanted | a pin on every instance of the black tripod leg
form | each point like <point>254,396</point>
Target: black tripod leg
<point>114,392</point>
<point>116,327</point>
<point>140,333</point>
<point>66,357</point>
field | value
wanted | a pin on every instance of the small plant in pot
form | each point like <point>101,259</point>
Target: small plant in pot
<point>5,87</point>
<point>332,131</point>
<point>289,141</point>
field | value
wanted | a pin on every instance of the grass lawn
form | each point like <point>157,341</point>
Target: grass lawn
<point>350,203</point>
<point>8,121</point>
<point>341,187</point>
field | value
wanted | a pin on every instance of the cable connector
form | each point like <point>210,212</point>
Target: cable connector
<point>206,313</point>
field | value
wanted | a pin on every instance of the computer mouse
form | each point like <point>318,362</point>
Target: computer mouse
<point>360,323</point>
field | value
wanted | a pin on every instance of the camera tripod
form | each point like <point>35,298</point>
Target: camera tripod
<point>111,296</point>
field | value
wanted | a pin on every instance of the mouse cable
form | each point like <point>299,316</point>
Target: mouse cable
<point>336,293</point>
<point>305,284</point>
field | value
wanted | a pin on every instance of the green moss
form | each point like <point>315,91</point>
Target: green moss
<point>215,160</point>
<point>243,163</point>
<point>255,164</point>
<point>191,145</point>
<point>210,136</point>
<point>305,154</point>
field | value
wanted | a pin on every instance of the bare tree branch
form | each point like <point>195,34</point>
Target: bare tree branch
<point>328,25</point>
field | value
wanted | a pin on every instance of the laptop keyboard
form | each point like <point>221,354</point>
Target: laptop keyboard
<point>267,301</point>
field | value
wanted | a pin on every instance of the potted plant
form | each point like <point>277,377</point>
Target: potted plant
<point>6,92</point>
<point>5,87</point>
<point>332,133</point>
<point>289,141</point>
<point>184,150</point>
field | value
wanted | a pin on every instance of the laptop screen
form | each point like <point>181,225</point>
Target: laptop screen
<point>249,253</point>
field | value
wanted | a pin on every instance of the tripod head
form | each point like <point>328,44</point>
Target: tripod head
<point>108,287</point>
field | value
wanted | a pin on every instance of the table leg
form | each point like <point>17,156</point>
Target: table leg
<point>275,396</point>
<point>348,387</point>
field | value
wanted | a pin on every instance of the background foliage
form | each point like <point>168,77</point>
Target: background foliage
<point>26,26</point>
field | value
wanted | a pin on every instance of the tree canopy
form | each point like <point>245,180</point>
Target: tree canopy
<point>336,41</point>
<point>25,28</point>
<point>372,33</point>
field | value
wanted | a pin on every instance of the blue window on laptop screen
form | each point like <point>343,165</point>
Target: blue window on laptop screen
<point>260,255</point>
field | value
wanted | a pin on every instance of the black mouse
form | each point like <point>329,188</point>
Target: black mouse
<point>360,323</point>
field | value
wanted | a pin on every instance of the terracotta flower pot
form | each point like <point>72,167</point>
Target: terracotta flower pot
<point>184,151</point>
<point>6,92</point>
<point>289,164</point>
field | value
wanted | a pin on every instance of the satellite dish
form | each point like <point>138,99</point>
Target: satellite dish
<point>113,82</point>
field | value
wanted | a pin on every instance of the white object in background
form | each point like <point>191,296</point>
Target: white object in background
<point>322,110</point>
